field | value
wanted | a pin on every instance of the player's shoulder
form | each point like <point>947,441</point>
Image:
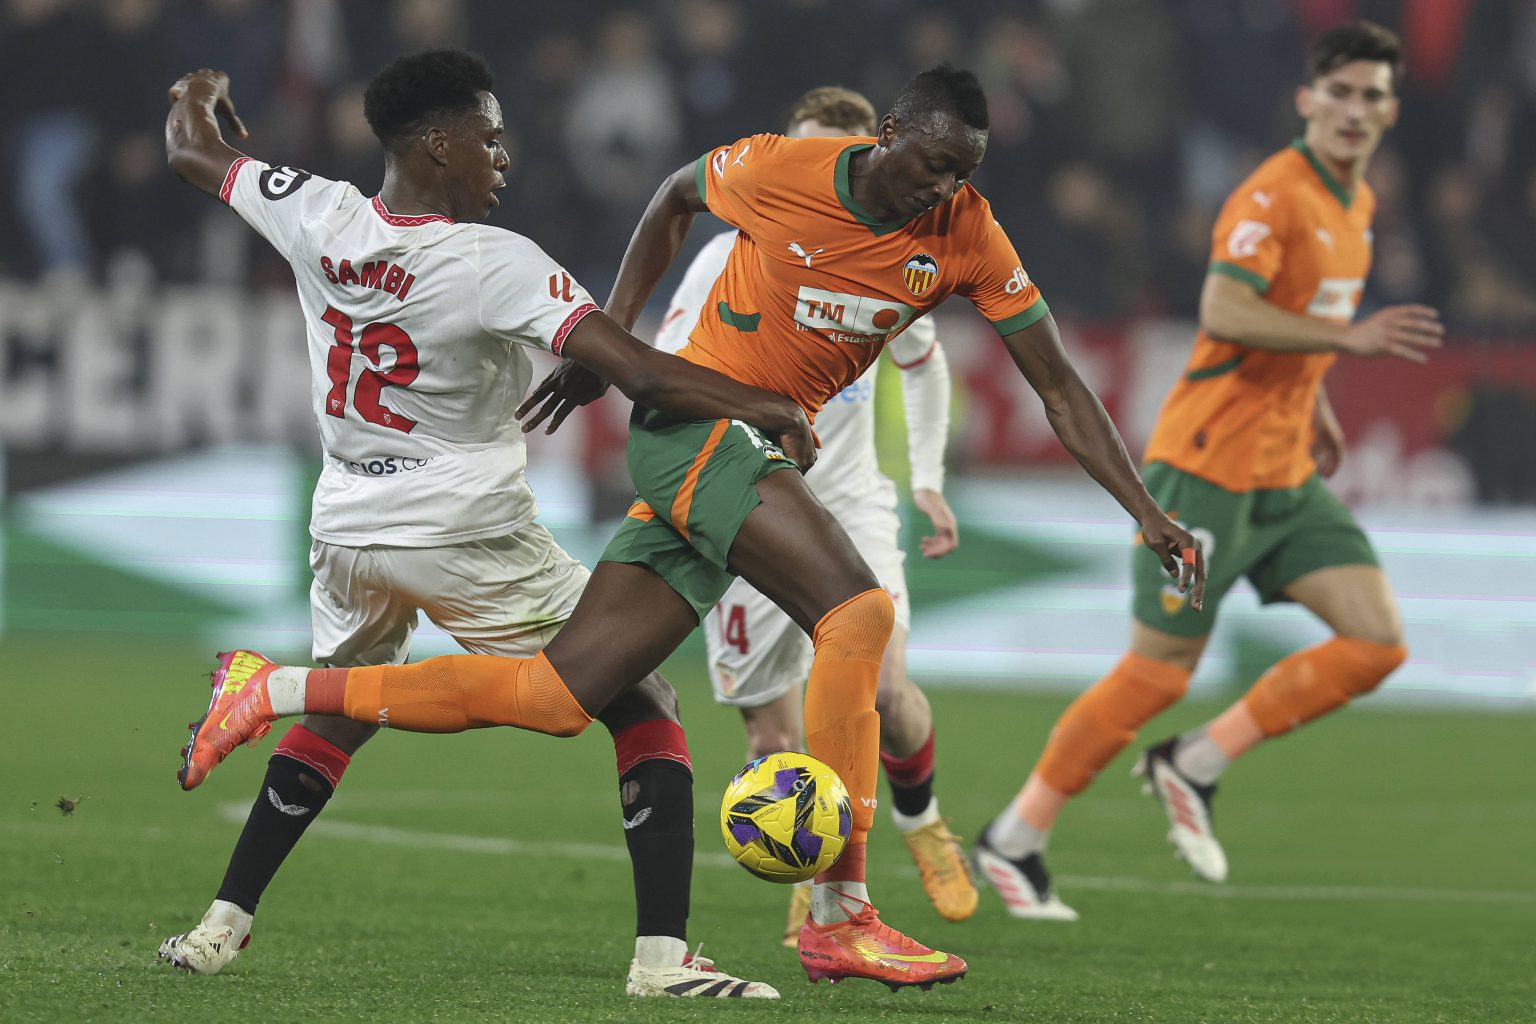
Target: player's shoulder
<point>1278,179</point>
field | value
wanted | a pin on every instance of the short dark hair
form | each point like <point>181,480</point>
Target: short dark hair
<point>835,107</point>
<point>942,88</point>
<point>1364,40</point>
<point>420,87</point>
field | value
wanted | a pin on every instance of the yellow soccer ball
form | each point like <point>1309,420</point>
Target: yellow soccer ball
<point>786,817</point>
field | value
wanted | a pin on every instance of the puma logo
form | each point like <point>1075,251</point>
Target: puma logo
<point>795,248</point>
<point>292,810</point>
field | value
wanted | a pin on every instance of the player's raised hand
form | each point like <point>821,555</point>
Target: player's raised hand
<point>1180,553</point>
<point>217,85</point>
<point>568,387</point>
<point>1407,332</point>
<point>946,530</point>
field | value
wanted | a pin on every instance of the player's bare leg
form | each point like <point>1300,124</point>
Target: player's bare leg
<point>793,551</point>
<point>906,751</point>
<point>1096,727</point>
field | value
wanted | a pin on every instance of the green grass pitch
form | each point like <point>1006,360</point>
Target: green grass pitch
<point>1384,869</point>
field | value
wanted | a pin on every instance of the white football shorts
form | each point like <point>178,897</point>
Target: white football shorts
<point>757,653</point>
<point>505,595</point>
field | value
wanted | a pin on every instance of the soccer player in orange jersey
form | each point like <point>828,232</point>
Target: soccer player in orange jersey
<point>1237,455</point>
<point>843,243</point>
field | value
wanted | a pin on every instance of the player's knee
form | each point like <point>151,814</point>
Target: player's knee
<point>1374,661</point>
<point>651,699</point>
<point>861,624</point>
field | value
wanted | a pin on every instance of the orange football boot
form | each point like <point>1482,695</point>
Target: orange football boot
<point>239,712</point>
<point>866,947</point>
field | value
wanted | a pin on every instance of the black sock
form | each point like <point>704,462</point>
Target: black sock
<point>291,795</point>
<point>913,800</point>
<point>656,797</point>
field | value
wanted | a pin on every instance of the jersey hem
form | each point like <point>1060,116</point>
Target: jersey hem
<point>381,540</point>
<point>1237,273</point>
<point>1013,324</point>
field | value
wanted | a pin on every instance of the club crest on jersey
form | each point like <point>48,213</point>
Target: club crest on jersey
<point>920,273</point>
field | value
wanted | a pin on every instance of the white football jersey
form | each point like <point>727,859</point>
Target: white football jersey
<point>417,331</point>
<point>846,470</point>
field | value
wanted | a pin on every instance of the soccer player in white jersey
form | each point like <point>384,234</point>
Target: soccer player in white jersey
<point>758,657</point>
<point>418,320</point>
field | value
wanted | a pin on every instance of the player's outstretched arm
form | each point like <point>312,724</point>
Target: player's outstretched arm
<point>925,396</point>
<point>671,385</point>
<point>1085,429</point>
<point>1233,311</point>
<point>655,244</point>
<point>194,147</point>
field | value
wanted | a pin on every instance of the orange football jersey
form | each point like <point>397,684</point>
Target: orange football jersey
<point>1241,417</point>
<point>815,287</point>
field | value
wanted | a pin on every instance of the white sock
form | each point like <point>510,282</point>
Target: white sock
<point>1015,838</point>
<point>224,914</point>
<point>830,903</point>
<point>656,951</point>
<point>285,689</point>
<point>1199,758</point>
<point>913,822</point>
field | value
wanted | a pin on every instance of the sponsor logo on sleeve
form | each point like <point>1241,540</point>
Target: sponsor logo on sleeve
<point>279,182</point>
<point>1017,281</point>
<point>1245,238</point>
<point>920,273</point>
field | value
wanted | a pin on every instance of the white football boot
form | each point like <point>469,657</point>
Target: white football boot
<point>1024,884</point>
<point>207,949</point>
<point>696,978</point>
<point>1188,806</point>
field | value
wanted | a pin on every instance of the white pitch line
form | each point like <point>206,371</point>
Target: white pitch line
<point>388,835</point>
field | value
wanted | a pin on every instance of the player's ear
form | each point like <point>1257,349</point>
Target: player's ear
<point>1304,101</point>
<point>1392,112</point>
<point>436,140</point>
<point>889,127</point>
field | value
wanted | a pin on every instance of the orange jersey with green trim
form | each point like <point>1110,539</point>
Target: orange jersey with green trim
<point>1241,417</point>
<point>814,287</point>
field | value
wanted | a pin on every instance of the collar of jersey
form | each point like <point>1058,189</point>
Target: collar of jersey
<point>845,194</point>
<point>1342,194</point>
<point>399,221</point>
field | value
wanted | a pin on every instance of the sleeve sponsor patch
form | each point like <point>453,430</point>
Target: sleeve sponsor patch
<point>1245,237</point>
<point>279,182</point>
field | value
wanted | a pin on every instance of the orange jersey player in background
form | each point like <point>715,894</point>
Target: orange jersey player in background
<point>849,240</point>
<point>1238,454</point>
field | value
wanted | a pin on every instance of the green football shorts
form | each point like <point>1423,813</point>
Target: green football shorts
<point>1272,536</point>
<point>695,483</point>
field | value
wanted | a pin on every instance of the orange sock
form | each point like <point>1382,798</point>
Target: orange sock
<point>842,727</point>
<point>1313,682</point>
<point>1101,722</point>
<point>451,694</point>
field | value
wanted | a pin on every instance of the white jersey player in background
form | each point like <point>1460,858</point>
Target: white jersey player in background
<point>418,329</point>
<point>758,657</point>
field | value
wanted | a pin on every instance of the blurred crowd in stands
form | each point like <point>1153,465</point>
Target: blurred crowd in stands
<point>1118,126</point>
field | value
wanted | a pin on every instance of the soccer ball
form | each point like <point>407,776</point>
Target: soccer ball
<point>786,817</point>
